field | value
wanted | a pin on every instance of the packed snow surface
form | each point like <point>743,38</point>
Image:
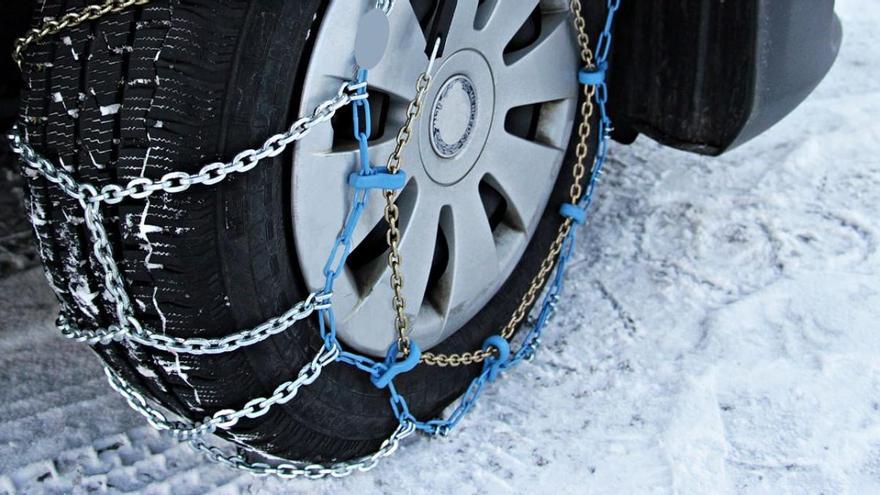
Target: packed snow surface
<point>720,334</point>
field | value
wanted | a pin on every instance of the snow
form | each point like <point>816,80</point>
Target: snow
<point>110,109</point>
<point>85,297</point>
<point>719,335</point>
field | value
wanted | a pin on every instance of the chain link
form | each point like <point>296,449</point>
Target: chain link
<point>43,166</point>
<point>385,6</point>
<point>103,253</point>
<point>133,331</point>
<point>579,172</point>
<point>288,470</point>
<point>255,408</point>
<point>224,418</point>
<point>127,325</point>
<point>392,213</point>
<point>176,182</point>
<point>68,20</point>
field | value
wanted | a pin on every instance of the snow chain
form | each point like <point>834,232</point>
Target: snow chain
<point>496,353</point>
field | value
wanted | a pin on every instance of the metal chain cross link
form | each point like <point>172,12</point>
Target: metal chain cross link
<point>71,19</point>
<point>224,418</point>
<point>177,182</point>
<point>495,355</point>
<point>392,212</point>
<point>289,470</point>
<point>194,345</point>
<point>90,199</point>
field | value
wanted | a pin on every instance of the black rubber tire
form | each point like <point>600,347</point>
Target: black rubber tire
<point>196,81</point>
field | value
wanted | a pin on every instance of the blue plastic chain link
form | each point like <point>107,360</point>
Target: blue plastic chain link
<point>367,177</point>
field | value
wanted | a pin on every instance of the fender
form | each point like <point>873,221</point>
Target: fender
<point>709,75</point>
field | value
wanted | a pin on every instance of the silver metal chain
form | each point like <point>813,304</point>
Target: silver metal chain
<point>90,198</point>
<point>177,182</point>
<point>224,418</point>
<point>194,433</point>
<point>195,345</point>
<point>129,328</point>
<point>290,470</point>
<point>385,5</point>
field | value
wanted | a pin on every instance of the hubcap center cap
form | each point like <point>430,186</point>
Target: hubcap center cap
<point>453,116</point>
<point>453,133</point>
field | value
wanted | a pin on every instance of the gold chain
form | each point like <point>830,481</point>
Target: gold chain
<point>576,191</point>
<point>70,19</point>
<point>392,215</point>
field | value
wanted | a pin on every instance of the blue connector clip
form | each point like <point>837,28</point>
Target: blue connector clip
<point>577,214</point>
<point>592,76</point>
<point>494,363</point>
<point>388,370</point>
<point>380,179</point>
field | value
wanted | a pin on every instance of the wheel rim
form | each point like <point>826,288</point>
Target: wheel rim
<point>481,164</point>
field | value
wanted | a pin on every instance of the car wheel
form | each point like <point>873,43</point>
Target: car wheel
<point>175,84</point>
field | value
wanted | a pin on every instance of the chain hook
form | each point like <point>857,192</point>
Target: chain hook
<point>388,370</point>
<point>492,366</point>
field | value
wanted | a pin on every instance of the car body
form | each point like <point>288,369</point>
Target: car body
<point>699,75</point>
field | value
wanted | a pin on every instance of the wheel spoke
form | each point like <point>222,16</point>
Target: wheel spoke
<point>474,256</point>
<point>346,295</point>
<point>427,324</point>
<point>417,252</point>
<point>462,29</point>
<point>523,172</point>
<point>418,238</point>
<point>329,188</point>
<point>506,18</point>
<point>543,72</point>
<point>405,56</point>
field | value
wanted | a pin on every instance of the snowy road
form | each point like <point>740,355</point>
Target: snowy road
<point>721,335</point>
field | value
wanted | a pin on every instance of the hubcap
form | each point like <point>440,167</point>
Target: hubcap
<point>481,163</point>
